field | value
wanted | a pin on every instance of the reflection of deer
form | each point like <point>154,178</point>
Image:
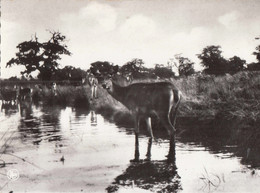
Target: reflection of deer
<point>26,110</point>
<point>93,118</point>
<point>145,99</point>
<point>157,176</point>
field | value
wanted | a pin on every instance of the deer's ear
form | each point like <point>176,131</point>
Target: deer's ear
<point>113,79</point>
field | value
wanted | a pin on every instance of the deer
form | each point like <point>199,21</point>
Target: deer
<point>145,99</point>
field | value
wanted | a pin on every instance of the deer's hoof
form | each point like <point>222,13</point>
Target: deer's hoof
<point>134,160</point>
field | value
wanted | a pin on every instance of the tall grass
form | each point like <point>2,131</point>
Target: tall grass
<point>241,86</point>
<point>224,99</point>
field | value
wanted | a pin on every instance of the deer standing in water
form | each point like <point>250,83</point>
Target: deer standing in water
<point>145,99</point>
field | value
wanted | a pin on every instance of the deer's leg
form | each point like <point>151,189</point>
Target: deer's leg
<point>171,131</point>
<point>95,92</point>
<point>174,111</point>
<point>173,115</point>
<point>137,154</point>
<point>148,154</point>
<point>92,92</point>
<point>149,127</point>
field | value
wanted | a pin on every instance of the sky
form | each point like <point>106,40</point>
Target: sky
<point>120,30</point>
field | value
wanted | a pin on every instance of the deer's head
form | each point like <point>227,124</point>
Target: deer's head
<point>114,82</point>
<point>108,85</point>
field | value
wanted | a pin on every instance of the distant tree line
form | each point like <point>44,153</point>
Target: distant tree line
<point>214,63</point>
<point>44,56</point>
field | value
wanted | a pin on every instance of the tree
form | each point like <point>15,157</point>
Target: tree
<point>257,53</point>
<point>135,69</point>
<point>186,67</point>
<point>235,64</point>
<point>69,73</point>
<point>34,55</point>
<point>133,66</point>
<point>213,61</point>
<point>163,72</point>
<point>103,69</point>
<point>256,65</point>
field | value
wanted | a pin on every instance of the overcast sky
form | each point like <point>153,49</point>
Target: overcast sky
<point>120,30</point>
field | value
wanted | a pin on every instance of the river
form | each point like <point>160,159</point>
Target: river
<point>63,149</point>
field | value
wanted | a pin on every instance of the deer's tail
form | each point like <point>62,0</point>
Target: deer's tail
<point>177,98</point>
<point>174,110</point>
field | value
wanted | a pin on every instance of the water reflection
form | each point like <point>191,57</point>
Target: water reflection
<point>227,139</point>
<point>96,152</point>
<point>9,108</point>
<point>81,111</point>
<point>93,118</point>
<point>153,175</point>
<point>156,176</point>
<point>39,124</point>
<point>29,124</point>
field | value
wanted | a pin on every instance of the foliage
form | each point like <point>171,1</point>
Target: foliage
<point>257,53</point>
<point>103,69</point>
<point>163,72</point>
<point>34,55</point>
<point>235,64</point>
<point>133,66</point>
<point>186,67</point>
<point>14,79</point>
<point>136,70</point>
<point>253,66</point>
<point>213,61</point>
<point>69,73</point>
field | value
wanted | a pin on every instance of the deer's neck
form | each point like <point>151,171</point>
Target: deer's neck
<point>119,92</point>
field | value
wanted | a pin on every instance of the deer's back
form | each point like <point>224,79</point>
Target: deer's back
<point>150,96</point>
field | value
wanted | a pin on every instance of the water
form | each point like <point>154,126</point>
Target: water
<point>62,149</point>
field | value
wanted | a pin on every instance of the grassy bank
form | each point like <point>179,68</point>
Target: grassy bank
<point>223,98</point>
